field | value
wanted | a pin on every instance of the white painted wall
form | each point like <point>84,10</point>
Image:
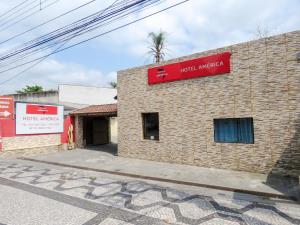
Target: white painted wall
<point>86,95</point>
<point>50,97</point>
<point>113,130</point>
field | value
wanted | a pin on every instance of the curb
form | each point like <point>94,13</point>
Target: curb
<point>243,191</point>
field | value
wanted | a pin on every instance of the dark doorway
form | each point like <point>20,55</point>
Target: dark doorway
<point>100,132</point>
<point>95,131</point>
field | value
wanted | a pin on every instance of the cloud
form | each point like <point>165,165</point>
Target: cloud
<point>192,27</point>
<point>206,24</point>
<point>51,72</point>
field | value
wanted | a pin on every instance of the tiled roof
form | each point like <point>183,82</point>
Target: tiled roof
<point>95,109</point>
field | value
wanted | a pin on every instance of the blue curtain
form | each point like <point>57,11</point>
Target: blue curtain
<point>236,130</point>
<point>246,130</point>
<point>226,130</point>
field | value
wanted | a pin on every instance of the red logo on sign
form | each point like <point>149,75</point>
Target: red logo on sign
<point>41,109</point>
<point>201,67</point>
<point>6,107</point>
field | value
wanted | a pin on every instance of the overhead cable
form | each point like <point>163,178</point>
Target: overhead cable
<point>93,37</point>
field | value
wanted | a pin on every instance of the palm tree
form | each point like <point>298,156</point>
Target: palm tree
<point>157,46</point>
<point>113,84</point>
<point>262,31</point>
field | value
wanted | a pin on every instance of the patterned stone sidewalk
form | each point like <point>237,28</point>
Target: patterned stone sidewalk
<point>137,202</point>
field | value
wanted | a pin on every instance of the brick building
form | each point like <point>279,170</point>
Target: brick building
<point>247,118</point>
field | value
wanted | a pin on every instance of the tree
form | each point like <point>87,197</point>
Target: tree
<point>113,84</point>
<point>30,89</point>
<point>157,46</point>
<point>262,31</point>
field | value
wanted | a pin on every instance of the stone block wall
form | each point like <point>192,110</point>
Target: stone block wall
<point>264,83</point>
<point>30,151</point>
<point>30,145</point>
<point>79,132</point>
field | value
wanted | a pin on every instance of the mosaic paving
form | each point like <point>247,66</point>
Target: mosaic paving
<point>137,202</point>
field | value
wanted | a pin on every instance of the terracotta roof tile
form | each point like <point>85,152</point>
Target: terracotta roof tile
<point>92,109</point>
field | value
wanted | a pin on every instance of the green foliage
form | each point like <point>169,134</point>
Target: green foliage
<point>113,84</point>
<point>157,46</point>
<point>30,89</point>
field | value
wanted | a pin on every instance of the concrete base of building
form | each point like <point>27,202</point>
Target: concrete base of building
<point>30,151</point>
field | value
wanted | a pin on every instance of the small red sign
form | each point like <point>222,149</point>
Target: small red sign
<point>201,67</point>
<point>1,146</point>
<point>41,109</point>
<point>6,107</point>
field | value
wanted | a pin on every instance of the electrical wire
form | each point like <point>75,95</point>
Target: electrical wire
<point>42,59</point>
<point>17,66</point>
<point>12,9</point>
<point>57,30</point>
<point>65,30</point>
<point>96,36</point>
<point>102,24</point>
<point>44,23</point>
<point>27,16</point>
<point>34,51</point>
<point>39,43</point>
<point>19,10</point>
<point>6,24</point>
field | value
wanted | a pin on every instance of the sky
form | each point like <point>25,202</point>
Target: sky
<point>194,26</point>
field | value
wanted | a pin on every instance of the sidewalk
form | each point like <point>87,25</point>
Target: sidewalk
<point>244,182</point>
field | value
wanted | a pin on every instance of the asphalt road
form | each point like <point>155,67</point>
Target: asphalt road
<point>40,194</point>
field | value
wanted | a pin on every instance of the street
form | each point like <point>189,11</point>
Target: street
<point>33,193</point>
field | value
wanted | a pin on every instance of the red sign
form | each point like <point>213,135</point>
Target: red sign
<point>1,146</point>
<point>201,67</point>
<point>41,109</point>
<point>6,107</point>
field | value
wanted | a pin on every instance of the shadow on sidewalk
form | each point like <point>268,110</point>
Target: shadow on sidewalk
<point>284,176</point>
<point>109,148</point>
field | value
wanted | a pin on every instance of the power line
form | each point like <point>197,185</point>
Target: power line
<point>29,61</point>
<point>96,36</point>
<point>74,27</point>
<point>13,8</point>
<point>38,50</point>
<point>57,36</point>
<point>42,59</point>
<point>19,10</point>
<point>44,23</point>
<point>102,24</point>
<point>60,29</point>
<point>27,16</point>
<point>10,21</point>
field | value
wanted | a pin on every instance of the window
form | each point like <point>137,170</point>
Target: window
<point>235,130</point>
<point>151,126</point>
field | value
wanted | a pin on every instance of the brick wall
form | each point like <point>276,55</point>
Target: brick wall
<point>264,84</point>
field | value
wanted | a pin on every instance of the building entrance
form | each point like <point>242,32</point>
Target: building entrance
<point>95,131</point>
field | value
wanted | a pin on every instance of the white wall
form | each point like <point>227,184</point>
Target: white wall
<point>50,97</point>
<point>113,130</point>
<point>86,95</point>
